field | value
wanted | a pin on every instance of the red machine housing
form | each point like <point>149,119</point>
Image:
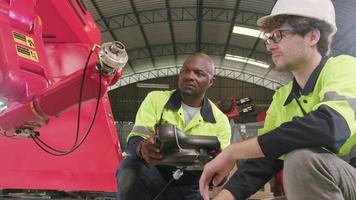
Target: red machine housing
<point>234,107</point>
<point>44,45</point>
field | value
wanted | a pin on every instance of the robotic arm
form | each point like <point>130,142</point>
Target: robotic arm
<point>48,53</point>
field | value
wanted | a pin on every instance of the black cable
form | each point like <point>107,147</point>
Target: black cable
<point>175,176</point>
<point>78,145</point>
<point>81,95</point>
<point>36,138</point>
<point>63,153</point>
<point>79,107</point>
<point>164,188</point>
<point>41,144</point>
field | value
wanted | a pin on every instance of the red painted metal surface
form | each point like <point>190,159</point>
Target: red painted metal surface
<point>90,168</point>
<point>57,36</point>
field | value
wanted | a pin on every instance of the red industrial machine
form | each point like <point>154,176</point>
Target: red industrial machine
<point>55,116</point>
<point>234,107</point>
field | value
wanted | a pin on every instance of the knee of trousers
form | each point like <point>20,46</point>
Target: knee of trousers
<point>301,161</point>
<point>127,173</point>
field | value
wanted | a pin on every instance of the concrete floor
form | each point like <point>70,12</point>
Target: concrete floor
<point>59,195</point>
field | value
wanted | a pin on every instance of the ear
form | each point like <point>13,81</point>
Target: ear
<point>211,82</point>
<point>313,37</point>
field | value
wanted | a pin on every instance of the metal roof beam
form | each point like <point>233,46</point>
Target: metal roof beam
<point>198,28</point>
<point>251,53</point>
<point>255,46</point>
<point>142,31</point>
<point>220,72</point>
<point>266,74</point>
<point>232,24</point>
<point>169,17</point>
<point>189,48</point>
<point>107,25</point>
<point>214,14</point>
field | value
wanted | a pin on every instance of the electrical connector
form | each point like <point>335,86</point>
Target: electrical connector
<point>177,174</point>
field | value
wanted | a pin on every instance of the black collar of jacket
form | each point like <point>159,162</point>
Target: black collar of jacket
<point>309,86</point>
<point>206,110</point>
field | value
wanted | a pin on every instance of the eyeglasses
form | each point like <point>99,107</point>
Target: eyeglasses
<point>277,35</point>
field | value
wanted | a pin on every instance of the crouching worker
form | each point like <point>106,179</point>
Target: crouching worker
<point>139,175</point>
<point>311,120</point>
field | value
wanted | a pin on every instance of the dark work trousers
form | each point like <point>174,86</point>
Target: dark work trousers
<point>138,180</point>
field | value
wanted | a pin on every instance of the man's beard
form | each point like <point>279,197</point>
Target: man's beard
<point>190,94</point>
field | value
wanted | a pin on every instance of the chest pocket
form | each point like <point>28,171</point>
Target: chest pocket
<point>171,117</point>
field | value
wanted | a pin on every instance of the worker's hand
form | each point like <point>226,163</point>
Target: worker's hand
<point>150,153</point>
<point>224,195</point>
<point>215,171</point>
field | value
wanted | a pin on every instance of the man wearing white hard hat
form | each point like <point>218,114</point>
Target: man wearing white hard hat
<point>311,121</point>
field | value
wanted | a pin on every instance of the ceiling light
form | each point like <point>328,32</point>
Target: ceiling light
<point>247,31</point>
<point>152,85</point>
<point>247,60</point>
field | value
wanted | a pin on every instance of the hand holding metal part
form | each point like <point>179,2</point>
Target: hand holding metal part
<point>180,150</point>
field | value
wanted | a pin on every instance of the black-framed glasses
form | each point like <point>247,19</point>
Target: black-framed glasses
<point>277,36</point>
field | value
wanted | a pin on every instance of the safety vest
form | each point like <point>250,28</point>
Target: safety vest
<point>165,107</point>
<point>334,87</point>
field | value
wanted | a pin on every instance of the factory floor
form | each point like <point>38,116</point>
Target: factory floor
<point>59,195</point>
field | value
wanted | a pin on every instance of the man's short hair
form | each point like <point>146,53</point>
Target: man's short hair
<point>211,69</point>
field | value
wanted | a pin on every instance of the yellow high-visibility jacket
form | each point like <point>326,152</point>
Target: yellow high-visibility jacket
<point>165,107</point>
<point>320,115</point>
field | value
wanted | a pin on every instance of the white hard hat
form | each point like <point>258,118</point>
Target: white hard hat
<point>318,9</point>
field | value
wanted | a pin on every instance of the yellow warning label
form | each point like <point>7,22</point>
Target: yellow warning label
<point>23,39</point>
<point>27,53</point>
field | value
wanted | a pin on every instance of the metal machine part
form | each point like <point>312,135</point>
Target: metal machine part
<point>180,150</point>
<point>27,132</point>
<point>3,104</point>
<point>113,57</point>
